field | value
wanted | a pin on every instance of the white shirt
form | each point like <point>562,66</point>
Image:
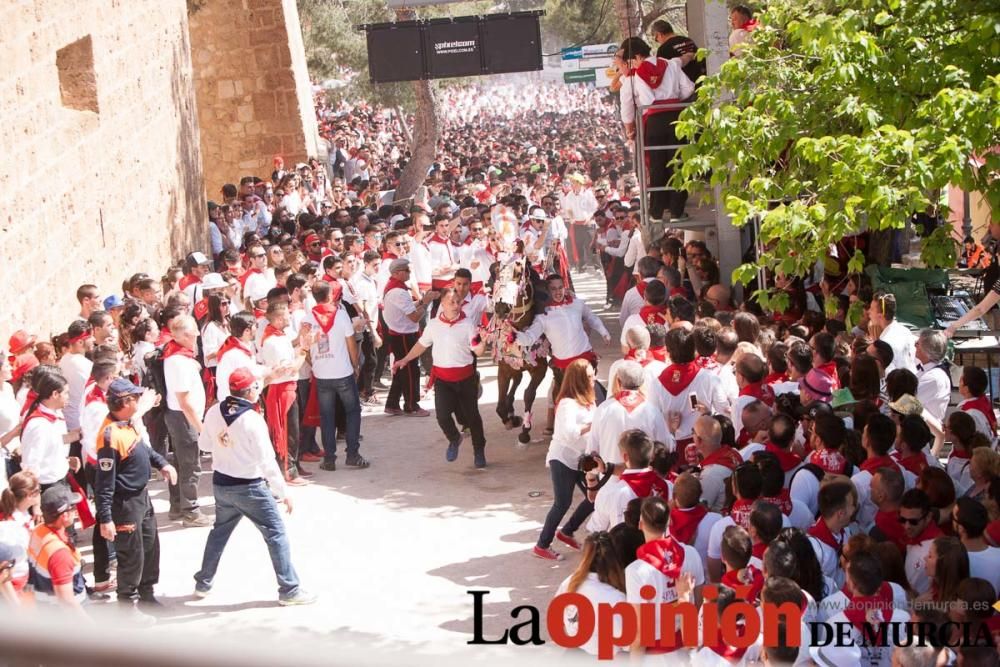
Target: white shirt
<point>568,440</point>
<point>640,573</point>
<point>258,285</point>
<point>829,559</point>
<point>183,374</point>
<point>474,251</point>
<point>630,250</point>
<point>903,346</point>
<point>397,304</point>
<point>212,338</point>
<point>713,486</point>
<point>91,418</point>
<point>611,419</point>
<point>985,564</point>
<point>43,451</point>
<point>598,593</point>
<point>861,652</point>
<point>331,359</point>
<point>934,389</point>
<point>704,385</point>
<point>421,265</point>
<point>563,325</point>
<point>632,303</point>
<point>579,207</point>
<point>278,350</point>
<point>634,91</point>
<point>451,344</point>
<point>233,360</point>
<point>443,257</point>
<point>76,369</point>
<point>982,422</point>
<point>606,514</point>
<point>366,293</point>
<point>474,305</point>
<point>835,603</point>
<point>916,566</point>
<point>243,449</point>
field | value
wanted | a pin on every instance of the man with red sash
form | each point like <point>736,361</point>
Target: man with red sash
<point>779,441</point>
<point>920,529</point>
<point>877,439</point>
<point>837,504</point>
<point>279,351</point>
<point>741,574</point>
<point>690,521</point>
<point>750,373</point>
<point>625,408</point>
<point>455,341</point>
<point>647,268</point>
<point>827,436</point>
<point>653,577</point>
<point>973,387</point>
<point>887,489</point>
<point>56,566</point>
<point>635,478</point>
<point>478,253</point>
<point>444,257</point>
<point>255,283</point>
<point>237,351</point>
<point>659,85</point>
<point>718,461</point>
<point>653,311</point>
<point>402,316</point>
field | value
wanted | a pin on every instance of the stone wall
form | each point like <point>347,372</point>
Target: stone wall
<point>101,175</point>
<point>252,88</point>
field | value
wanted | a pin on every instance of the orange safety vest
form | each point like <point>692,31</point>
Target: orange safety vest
<point>44,544</point>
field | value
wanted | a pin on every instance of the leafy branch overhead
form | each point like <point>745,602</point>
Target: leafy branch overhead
<point>845,115</point>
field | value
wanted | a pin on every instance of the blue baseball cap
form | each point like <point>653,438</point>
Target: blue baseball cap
<point>112,302</point>
<point>121,388</point>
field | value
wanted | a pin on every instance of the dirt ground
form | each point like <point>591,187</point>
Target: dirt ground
<point>392,550</point>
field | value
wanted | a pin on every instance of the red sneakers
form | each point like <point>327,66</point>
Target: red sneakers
<point>311,458</point>
<point>546,554</point>
<point>568,540</point>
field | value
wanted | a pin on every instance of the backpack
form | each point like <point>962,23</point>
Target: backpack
<point>155,377</point>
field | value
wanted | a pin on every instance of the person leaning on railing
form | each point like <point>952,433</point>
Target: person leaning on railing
<point>991,299</point>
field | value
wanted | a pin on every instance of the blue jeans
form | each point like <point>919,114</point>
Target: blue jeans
<point>563,484</point>
<point>347,389</point>
<point>255,502</point>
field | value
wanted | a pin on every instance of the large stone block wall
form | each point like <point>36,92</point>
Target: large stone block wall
<point>252,88</point>
<point>101,173</point>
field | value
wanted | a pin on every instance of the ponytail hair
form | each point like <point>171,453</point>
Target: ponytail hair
<point>21,485</point>
<point>45,381</point>
<point>601,558</point>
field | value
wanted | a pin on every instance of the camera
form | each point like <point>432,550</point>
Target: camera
<point>586,462</point>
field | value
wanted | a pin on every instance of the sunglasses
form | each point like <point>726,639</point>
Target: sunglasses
<point>912,522</point>
<point>258,255</point>
<point>399,245</point>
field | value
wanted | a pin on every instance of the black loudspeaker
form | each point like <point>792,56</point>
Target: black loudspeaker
<point>511,43</point>
<point>395,51</point>
<point>462,46</point>
<point>452,48</point>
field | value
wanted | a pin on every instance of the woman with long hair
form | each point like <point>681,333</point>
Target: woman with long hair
<point>811,577</point>
<point>947,564</point>
<point>144,336</point>
<point>574,415</point>
<point>941,491</point>
<point>599,577</point>
<point>16,521</point>
<point>216,329</point>
<point>984,467</point>
<point>44,438</point>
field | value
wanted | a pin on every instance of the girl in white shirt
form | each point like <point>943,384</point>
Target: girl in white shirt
<point>574,414</point>
<point>44,437</point>
<point>601,579</point>
<point>216,330</point>
<point>16,522</point>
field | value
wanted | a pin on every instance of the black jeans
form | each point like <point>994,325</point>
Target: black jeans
<point>459,399</point>
<point>660,131</point>
<point>137,544</point>
<point>368,363</point>
<point>104,551</point>
<point>184,441</point>
<point>563,482</point>
<point>155,421</point>
<point>307,434</point>
<point>406,381</point>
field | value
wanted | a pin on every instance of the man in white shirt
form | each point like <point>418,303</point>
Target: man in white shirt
<point>402,316</point>
<point>934,380</point>
<point>970,518</point>
<point>278,351</point>
<point>185,410</point>
<point>717,464</point>
<point>631,247</point>
<point>76,368</point>
<point>626,408</point>
<point>246,480</point>
<point>366,293</point>
<point>328,332</point>
<point>579,205</point>
<point>473,304</point>
<point>647,268</point>
<point>838,501</point>
<point>920,529</point>
<point>661,563</point>
<point>882,314</point>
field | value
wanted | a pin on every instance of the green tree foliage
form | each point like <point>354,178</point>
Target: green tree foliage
<point>844,114</point>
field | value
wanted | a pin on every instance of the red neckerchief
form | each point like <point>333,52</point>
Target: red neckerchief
<point>677,291</point>
<point>95,395</point>
<point>859,607</point>
<point>659,353</point>
<point>930,532</point>
<point>651,73</point>
<point>684,522</point>
<point>271,330</point>
<point>647,483</point>
<point>201,309</point>
<point>633,355</point>
<point>641,286</point>
<point>437,238</point>
<point>445,320</point>
<point>566,300</point>
<point>653,314</point>
<point>389,255</point>
<point>873,464</point>
<point>957,453</point>
<point>723,456</point>
<point>740,512</point>
<point>744,438</point>
<point>666,555</point>
<point>246,276</point>
<point>749,578</point>
<point>675,378</point>
<point>888,523</point>
<point>774,378</point>
<point>187,281</point>
<point>173,347</point>
<point>230,344</point>
<point>394,283</point>
<point>163,338</point>
<point>822,532</point>
<point>783,501</point>
<point>787,459</point>
<point>758,549</point>
<point>38,412</point>
<point>29,398</point>
<point>730,654</point>
<point>325,315</point>
<point>329,279</point>
<point>708,363</point>
<point>630,399</point>
<point>915,463</point>
<point>981,403</point>
<point>259,313</point>
<point>830,460</point>
<point>760,391</point>
<point>830,368</point>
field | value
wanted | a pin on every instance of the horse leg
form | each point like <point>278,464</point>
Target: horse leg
<point>503,382</point>
<point>537,375</point>
<point>514,420</point>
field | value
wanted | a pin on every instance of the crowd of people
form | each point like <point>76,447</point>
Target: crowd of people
<point>789,457</point>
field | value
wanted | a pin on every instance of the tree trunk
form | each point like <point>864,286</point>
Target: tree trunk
<point>629,17</point>
<point>403,125</point>
<point>423,145</point>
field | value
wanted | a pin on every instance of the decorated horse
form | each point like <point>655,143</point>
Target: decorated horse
<point>518,294</point>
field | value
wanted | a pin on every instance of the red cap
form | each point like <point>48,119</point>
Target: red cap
<point>310,238</point>
<point>240,379</point>
<point>20,342</point>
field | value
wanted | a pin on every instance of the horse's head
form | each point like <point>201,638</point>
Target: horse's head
<point>513,292</point>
